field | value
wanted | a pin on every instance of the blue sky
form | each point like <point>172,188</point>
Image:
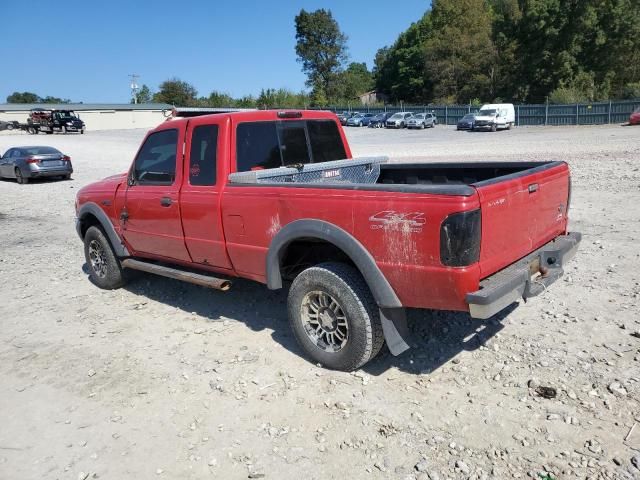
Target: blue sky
<point>84,50</point>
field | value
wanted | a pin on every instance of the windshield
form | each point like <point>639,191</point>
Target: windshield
<point>65,115</point>
<point>487,112</point>
<point>469,116</point>
<point>420,116</point>
<point>395,115</point>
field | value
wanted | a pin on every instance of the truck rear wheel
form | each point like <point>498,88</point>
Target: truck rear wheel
<point>334,317</point>
<point>104,267</point>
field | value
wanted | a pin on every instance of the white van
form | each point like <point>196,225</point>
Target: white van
<point>494,116</point>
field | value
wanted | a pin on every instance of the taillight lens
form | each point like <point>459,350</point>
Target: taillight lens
<point>66,158</point>
<point>460,236</point>
<point>33,160</point>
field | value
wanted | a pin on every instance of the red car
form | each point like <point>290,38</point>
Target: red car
<point>634,119</point>
<point>269,196</point>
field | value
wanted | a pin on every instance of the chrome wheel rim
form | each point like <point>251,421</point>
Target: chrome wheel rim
<point>97,259</point>
<point>324,321</point>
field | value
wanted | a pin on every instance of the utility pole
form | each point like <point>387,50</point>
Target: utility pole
<point>134,86</point>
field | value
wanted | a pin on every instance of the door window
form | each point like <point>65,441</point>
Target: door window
<point>202,161</point>
<point>156,162</point>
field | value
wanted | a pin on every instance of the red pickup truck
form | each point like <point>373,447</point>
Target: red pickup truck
<point>472,237</point>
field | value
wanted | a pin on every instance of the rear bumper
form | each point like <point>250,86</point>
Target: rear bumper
<point>49,172</point>
<point>517,281</point>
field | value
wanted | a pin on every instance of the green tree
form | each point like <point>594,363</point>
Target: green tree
<point>23,97</point>
<point>50,99</point>
<point>321,48</point>
<point>176,92</point>
<point>460,56</point>
<point>220,100</point>
<point>399,69</point>
<point>144,95</point>
<point>355,80</point>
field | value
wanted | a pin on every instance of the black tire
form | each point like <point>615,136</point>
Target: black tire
<point>508,126</point>
<point>345,285</point>
<point>22,180</point>
<point>49,132</point>
<point>493,127</point>
<point>10,126</point>
<point>66,177</point>
<point>82,132</point>
<point>105,271</point>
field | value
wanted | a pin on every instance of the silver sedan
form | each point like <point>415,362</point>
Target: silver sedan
<point>25,163</point>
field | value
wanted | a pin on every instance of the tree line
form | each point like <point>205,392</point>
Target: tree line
<point>563,51</point>
<point>460,51</point>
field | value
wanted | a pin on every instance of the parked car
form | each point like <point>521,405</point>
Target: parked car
<point>495,116</point>
<point>398,120</point>
<point>446,236</point>
<point>422,120</point>
<point>25,163</point>
<point>466,122</point>
<point>344,120</point>
<point>634,118</point>
<point>362,119</point>
<point>342,116</point>
<point>379,120</point>
<point>9,125</point>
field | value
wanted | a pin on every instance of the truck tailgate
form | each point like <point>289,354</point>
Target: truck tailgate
<point>521,212</point>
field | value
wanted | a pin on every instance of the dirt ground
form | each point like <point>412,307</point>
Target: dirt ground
<point>163,379</point>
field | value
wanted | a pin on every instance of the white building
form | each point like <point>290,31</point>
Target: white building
<point>96,116</point>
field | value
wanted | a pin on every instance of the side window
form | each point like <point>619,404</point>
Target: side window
<point>156,162</point>
<point>257,146</point>
<point>202,161</point>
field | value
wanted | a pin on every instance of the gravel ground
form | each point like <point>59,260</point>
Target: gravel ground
<point>163,379</point>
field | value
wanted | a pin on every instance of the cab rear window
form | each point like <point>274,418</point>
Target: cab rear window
<point>262,145</point>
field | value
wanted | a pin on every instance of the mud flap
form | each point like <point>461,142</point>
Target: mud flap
<point>395,329</point>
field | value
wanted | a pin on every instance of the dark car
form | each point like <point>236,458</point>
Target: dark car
<point>24,163</point>
<point>466,122</point>
<point>379,120</point>
<point>634,119</point>
<point>9,125</point>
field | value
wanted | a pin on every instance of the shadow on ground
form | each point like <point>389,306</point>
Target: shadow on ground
<point>438,337</point>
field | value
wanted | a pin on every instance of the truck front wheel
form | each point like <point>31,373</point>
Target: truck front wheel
<point>104,268</point>
<point>334,317</point>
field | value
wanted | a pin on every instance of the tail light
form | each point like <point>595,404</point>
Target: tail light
<point>33,160</point>
<point>66,158</point>
<point>460,235</point>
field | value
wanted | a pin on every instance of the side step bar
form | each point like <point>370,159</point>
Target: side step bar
<point>198,279</point>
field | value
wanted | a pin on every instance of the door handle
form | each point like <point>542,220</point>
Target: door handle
<point>533,188</point>
<point>165,202</point>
